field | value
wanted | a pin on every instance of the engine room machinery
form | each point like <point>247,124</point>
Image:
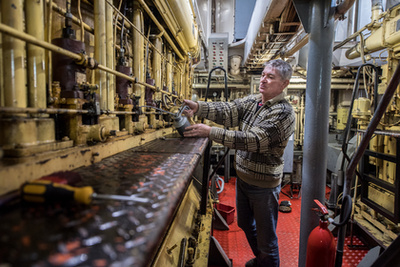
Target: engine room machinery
<point>91,95</point>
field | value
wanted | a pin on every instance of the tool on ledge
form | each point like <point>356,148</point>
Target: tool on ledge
<point>43,190</point>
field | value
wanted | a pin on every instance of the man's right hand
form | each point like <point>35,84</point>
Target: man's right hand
<point>194,106</point>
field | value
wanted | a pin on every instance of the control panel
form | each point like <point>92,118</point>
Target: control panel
<point>218,51</point>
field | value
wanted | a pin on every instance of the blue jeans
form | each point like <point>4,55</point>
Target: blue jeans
<point>257,215</point>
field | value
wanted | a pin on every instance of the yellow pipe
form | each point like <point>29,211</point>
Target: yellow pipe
<point>182,12</point>
<point>373,43</point>
<point>178,84</point>
<point>36,55</point>
<point>16,110</point>
<point>30,39</point>
<point>100,48</point>
<point>180,94</point>
<point>1,71</point>
<point>170,73</point>
<point>129,25</point>
<point>160,27</point>
<point>81,22</point>
<point>138,54</point>
<point>48,54</point>
<point>382,37</point>
<point>14,73</point>
<point>168,93</point>
<point>157,67</point>
<point>75,20</point>
<point>172,23</point>
<point>81,59</point>
<point>187,84</point>
<point>110,57</point>
<point>116,73</point>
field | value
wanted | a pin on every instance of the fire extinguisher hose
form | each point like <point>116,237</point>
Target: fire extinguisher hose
<point>346,211</point>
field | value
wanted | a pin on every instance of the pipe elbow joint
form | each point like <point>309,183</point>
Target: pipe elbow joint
<point>353,52</point>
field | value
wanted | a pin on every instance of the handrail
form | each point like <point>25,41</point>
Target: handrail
<point>379,112</point>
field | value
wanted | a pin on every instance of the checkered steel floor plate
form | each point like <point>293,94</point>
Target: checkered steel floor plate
<point>107,232</point>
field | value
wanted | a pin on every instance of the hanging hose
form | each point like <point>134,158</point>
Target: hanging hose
<point>221,184</point>
<point>350,116</point>
<point>121,59</point>
<point>378,114</point>
<point>346,211</point>
<point>205,100</point>
<point>81,22</point>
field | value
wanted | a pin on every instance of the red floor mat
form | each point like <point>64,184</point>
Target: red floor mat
<point>236,247</point>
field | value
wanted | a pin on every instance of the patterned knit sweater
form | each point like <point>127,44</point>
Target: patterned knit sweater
<point>262,137</point>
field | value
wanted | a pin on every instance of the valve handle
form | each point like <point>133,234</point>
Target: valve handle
<point>181,109</point>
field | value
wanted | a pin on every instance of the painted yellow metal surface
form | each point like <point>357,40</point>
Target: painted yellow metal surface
<point>186,222</point>
<point>67,159</point>
<point>14,69</point>
<point>36,55</point>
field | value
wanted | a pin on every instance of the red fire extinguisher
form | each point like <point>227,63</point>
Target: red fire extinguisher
<point>321,245</point>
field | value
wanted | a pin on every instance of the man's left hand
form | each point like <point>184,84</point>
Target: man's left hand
<point>197,130</point>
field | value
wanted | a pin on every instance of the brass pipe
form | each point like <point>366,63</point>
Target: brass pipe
<point>129,24</point>
<point>15,93</point>
<point>81,22</point>
<point>30,39</point>
<point>1,76</point>
<point>75,20</point>
<point>17,110</point>
<point>178,82</point>
<point>157,67</point>
<point>78,57</point>
<point>147,85</point>
<point>129,112</point>
<point>48,54</point>
<point>172,22</point>
<point>36,55</point>
<point>180,75</point>
<point>160,27</point>
<point>155,88</point>
<point>110,57</point>
<point>167,93</point>
<point>100,48</point>
<point>138,54</point>
<point>181,12</point>
<point>351,37</point>
<point>117,73</point>
<point>192,8</point>
<point>170,73</point>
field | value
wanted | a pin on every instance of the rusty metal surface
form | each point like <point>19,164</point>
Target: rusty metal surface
<point>105,233</point>
<point>175,144</point>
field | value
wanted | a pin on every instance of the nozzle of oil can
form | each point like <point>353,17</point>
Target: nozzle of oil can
<point>181,122</point>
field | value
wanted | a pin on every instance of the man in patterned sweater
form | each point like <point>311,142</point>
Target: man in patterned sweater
<point>266,121</point>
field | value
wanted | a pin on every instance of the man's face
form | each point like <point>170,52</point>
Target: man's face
<point>271,83</point>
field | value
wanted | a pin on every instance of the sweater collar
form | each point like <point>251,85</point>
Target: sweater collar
<point>272,101</point>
